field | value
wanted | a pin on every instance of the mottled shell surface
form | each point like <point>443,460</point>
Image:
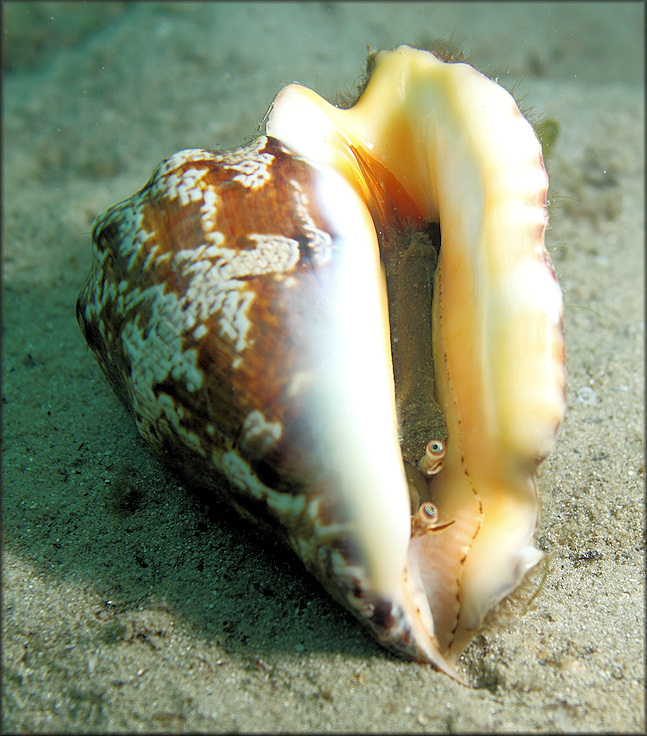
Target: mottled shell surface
<point>212,309</point>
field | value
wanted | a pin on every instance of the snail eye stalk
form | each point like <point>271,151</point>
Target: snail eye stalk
<point>433,460</point>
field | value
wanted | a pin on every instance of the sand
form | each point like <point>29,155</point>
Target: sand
<point>130,604</point>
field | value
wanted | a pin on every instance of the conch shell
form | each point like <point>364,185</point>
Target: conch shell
<point>266,313</point>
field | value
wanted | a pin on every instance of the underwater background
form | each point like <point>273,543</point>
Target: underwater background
<point>129,604</point>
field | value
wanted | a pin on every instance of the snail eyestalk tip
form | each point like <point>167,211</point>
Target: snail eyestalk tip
<point>430,511</point>
<point>434,458</point>
<point>426,520</point>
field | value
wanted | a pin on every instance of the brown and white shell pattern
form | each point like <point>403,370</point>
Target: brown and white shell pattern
<point>207,330</point>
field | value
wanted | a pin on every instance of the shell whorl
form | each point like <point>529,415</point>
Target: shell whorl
<point>217,338</point>
<point>192,309</point>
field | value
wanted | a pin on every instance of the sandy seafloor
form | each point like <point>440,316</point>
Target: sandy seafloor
<point>129,604</point>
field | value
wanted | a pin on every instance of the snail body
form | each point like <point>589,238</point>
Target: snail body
<point>246,306</point>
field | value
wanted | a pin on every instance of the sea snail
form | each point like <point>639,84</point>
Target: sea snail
<point>272,317</point>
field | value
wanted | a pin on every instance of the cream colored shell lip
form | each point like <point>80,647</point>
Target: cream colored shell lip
<point>239,306</point>
<point>457,144</point>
